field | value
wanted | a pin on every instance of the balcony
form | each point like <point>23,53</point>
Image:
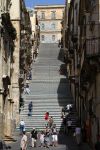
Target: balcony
<point>93,47</point>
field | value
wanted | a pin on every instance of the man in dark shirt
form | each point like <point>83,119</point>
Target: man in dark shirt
<point>30,107</point>
<point>34,137</point>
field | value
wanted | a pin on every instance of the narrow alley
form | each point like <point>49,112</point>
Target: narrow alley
<point>50,74</point>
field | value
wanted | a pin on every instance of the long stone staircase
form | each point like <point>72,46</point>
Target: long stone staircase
<point>49,91</point>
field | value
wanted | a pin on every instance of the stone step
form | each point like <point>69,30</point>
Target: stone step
<point>37,116</point>
<point>40,121</point>
<point>48,104</point>
<point>47,96</point>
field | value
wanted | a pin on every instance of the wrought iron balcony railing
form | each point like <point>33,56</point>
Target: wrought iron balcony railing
<point>93,47</point>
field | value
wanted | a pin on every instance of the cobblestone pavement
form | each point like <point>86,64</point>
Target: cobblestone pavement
<point>65,143</point>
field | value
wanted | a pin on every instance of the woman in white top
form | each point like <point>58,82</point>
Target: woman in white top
<point>23,143</point>
<point>42,138</point>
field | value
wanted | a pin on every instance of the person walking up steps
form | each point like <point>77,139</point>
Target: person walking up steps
<point>50,122</point>
<point>46,117</point>
<point>22,126</point>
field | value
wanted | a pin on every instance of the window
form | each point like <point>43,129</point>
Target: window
<point>53,37</point>
<point>53,26</point>
<point>42,15</point>
<point>42,37</point>
<point>42,26</point>
<point>53,15</point>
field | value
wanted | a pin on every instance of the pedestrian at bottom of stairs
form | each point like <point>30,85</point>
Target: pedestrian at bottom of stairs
<point>78,134</point>
<point>97,144</point>
<point>33,137</point>
<point>54,136</point>
<point>41,138</point>
<point>23,143</point>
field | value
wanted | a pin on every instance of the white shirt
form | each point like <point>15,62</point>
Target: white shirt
<point>42,137</point>
<point>22,123</point>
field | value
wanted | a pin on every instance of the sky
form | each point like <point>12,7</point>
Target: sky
<point>32,3</point>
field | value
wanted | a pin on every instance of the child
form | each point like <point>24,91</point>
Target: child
<point>42,138</point>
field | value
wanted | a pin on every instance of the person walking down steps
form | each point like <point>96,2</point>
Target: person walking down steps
<point>30,108</point>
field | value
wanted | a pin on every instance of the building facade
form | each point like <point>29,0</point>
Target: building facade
<point>83,59</point>
<point>22,53</point>
<point>7,37</point>
<point>50,17</point>
<point>35,33</point>
<point>15,59</point>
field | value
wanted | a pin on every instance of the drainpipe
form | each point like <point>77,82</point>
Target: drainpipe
<point>1,72</point>
<point>74,55</point>
<point>1,48</point>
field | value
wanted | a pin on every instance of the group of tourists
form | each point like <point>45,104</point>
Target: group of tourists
<point>46,137</point>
